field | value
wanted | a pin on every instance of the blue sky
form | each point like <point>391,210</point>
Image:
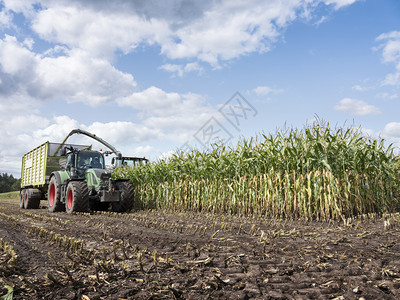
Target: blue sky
<point>153,77</point>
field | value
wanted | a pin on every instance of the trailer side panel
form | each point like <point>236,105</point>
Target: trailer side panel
<point>34,165</point>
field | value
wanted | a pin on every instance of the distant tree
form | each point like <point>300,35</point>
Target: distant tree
<point>16,185</point>
<point>8,183</point>
<point>4,188</point>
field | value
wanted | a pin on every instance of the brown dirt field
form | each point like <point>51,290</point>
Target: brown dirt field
<point>160,255</point>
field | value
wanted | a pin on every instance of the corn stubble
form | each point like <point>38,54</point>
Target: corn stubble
<point>314,173</point>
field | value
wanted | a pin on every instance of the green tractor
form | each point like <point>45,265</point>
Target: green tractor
<point>85,184</point>
<point>74,177</point>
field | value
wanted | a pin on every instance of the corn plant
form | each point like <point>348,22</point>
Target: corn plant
<point>317,172</point>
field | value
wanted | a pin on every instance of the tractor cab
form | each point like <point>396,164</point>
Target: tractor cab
<point>125,161</point>
<point>134,161</point>
<point>79,161</point>
<point>89,159</point>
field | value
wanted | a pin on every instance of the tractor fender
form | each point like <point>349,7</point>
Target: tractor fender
<point>62,178</point>
<point>57,176</point>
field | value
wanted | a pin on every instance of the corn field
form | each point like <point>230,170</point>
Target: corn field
<point>314,173</point>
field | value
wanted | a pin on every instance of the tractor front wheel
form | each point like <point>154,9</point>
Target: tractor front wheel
<point>54,195</point>
<point>127,197</point>
<point>77,198</point>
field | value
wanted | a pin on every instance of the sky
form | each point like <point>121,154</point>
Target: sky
<point>155,77</point>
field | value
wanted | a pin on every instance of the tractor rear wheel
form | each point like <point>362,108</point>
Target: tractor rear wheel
<point>77,197</point>
<point>32,198</point>
<point>127,197</point>
<point>54,195</point>
<point>22,199</point>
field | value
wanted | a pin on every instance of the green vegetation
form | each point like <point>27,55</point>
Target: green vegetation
<point>8,183</point>
<point>317,172</point>
<point>10,195</point>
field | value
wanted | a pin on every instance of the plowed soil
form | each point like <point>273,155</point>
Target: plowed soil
<point>161,255</point>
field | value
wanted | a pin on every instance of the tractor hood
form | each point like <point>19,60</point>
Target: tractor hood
<point>96,177</point>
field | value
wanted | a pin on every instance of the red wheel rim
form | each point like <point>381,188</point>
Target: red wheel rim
<point>52,194</point>
<point>70,199</point>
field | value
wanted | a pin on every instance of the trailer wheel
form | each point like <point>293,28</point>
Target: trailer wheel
<point>54,195</point>
<point>77,197</point>
<point>127,197</point>
<point>32,198</point>
<point>22,199</point>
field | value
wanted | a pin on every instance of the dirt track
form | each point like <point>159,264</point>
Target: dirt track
<point>157,255</point>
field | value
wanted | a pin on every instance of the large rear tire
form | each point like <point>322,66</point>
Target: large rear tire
<point>32,199</point>
<point>77,197</point>
<point>127,197</point>
<point>54,195</point>
<point>22,199</point>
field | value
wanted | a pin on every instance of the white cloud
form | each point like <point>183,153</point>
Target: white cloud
<point>75,76</point>
<point>14,58</point>
<point>152,99</point>
<point>391,54</point>
<point>80,77</point>
<point>340,3</point>
<point>392,79</point>
<point>206,31</point>
<point>391,133</point>
<point>5,19</point>
<point>20,6</point>
<point>119,133</point>
<point>178,115</point>
<point>265,90</point>
<point>85,28</point>
<point>180,70</point>
<point>356,107</point>
<point>359,88</point>
<point>387,96</point>
<point>155,101</point>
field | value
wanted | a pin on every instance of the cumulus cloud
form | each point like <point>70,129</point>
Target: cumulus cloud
<point>177,114</point>
<point>5,19</point>
<point>360,88</point>
<point>119,133</point>
<point>180,70</point>
<point>339,3</point>
<point>208,31</point>
<point>356,107</point>
<point>265,90</point>
<point>75,77</point>
<point>390,45</point>
<point>389,96</point>
<point>85,28</point>
<point>155,101</point>
<point>391,133</point>
<point>392,130</point>
<point>86,35</point>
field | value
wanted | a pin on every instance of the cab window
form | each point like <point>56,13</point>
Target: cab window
<point>90,160</point>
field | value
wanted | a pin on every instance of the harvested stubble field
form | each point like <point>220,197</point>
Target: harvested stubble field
<point>161,255</point>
